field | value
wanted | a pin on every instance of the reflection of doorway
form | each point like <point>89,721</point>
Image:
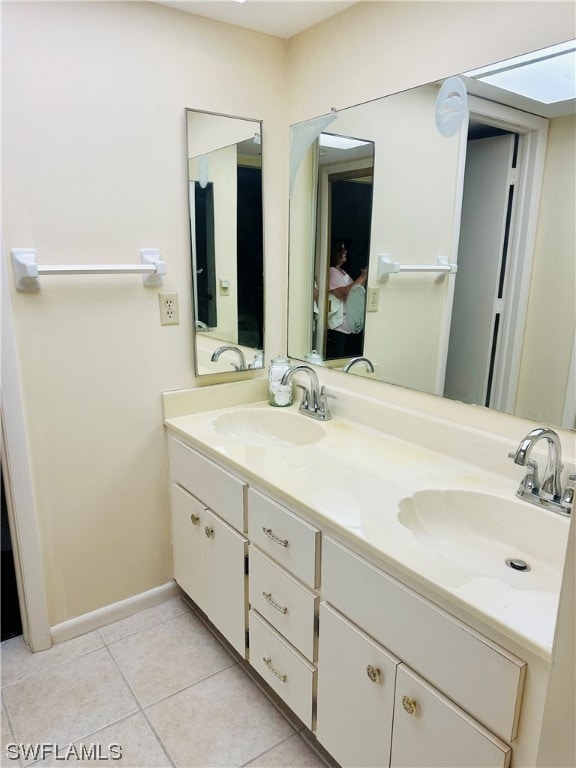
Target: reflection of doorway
<point>250,249</point>
<point>204,259</point>
<point>480,293</point>
<point>344,212</point>
<point>350,223</point>
<point>524,138</point>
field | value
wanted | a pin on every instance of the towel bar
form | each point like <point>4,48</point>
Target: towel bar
<point>27,271</point>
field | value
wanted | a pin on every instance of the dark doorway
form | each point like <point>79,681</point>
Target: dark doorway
<point>11,624</point>
<point>350,223</point>
<point>205,276</point>
<point>250,258</point>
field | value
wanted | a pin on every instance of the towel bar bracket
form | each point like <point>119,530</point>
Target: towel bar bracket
<point>27,271</point>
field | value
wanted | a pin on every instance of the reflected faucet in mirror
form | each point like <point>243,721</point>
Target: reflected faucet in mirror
<point>239,366</point>
<point>359,361</point>
<point>547,492</point>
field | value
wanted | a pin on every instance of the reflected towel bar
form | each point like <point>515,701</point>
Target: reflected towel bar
<point>27,271</point>
<point>387,267</point>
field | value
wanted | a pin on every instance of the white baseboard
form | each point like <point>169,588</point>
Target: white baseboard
<point>120,610</point>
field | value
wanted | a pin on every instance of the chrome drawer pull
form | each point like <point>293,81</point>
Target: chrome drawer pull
<point>209,531</point>
<point>409,704</point>
<point>268,663</point>
<point>273,603</point>
<point>373,673</point>
<point>195,519</point>
<point>275,539</point>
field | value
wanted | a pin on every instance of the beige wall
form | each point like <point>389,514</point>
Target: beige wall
<point>94,162</point>
<point>94,169</point>
<point>551,322</point>
<point>376,48</point>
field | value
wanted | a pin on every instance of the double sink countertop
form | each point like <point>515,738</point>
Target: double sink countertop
<point>361,482</point>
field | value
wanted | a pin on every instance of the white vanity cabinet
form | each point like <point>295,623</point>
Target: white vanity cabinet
<point>383,676</point>
<point>432,732</point>
<point>209,554</point>
<point>356,682</point>
<point>466,689</point>
<point>284,570</point>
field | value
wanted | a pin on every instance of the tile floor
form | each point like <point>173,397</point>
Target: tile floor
<point>161,685</point>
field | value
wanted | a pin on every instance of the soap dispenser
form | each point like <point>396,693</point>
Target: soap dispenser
<point>279,394</point>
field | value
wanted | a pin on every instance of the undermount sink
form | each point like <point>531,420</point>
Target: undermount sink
<point>263,428</point>
<point>489,535</point>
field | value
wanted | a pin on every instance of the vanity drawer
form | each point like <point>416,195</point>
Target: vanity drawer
<point>285,603</point>
<point>288,539</point>
<point>283,668</point>
<point>483,678</point>
<point>213,486</point>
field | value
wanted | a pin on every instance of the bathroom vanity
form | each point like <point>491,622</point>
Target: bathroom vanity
<point>300,542</point>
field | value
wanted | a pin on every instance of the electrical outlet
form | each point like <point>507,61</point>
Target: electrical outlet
<point>373,294</point>
<point>168,308</point>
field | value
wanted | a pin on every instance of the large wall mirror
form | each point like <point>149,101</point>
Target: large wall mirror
<point>226,236</point>
<point>456,248</point>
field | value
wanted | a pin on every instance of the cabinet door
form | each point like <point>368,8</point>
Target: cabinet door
<point>432,732</point>
<point>188,520</point>
<point>355,693</point>
<point>226,580</point>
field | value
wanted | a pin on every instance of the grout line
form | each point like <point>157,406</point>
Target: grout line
<point>58,664</point>
<point>266,751</point>
<point>107,643</point>
<point>141,709</point>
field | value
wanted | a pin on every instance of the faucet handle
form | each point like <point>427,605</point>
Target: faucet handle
<point>323,408</point>
<point>531,481</point>
<point>305,402</point>
<point>567,499</point>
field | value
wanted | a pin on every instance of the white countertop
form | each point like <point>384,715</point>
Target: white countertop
<point>354,478</point>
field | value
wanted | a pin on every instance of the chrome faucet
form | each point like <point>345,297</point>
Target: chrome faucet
<point>315,400</point>
<point>241,366</point>
<point>548,491</point>
<point>356,361</point>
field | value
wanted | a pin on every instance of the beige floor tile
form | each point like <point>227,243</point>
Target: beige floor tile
<point>144,619</point>
<point>132,738</point>
<point>18,662</point>
<point>68,702</point>
<point>5,739</point>
<point>292,753</point>
<point>169,657</point>
<point>222,721</point>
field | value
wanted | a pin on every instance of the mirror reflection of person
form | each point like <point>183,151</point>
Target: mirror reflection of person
<point>340,340</point>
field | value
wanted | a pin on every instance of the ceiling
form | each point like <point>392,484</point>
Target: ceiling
<point>281,18</point>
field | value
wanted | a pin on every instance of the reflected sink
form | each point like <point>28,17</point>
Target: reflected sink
<point>478,532</point>
<point>262,428</point>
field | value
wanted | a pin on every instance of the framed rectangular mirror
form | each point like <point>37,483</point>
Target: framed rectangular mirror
<point>224,162</point>
<point>470,263</point>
